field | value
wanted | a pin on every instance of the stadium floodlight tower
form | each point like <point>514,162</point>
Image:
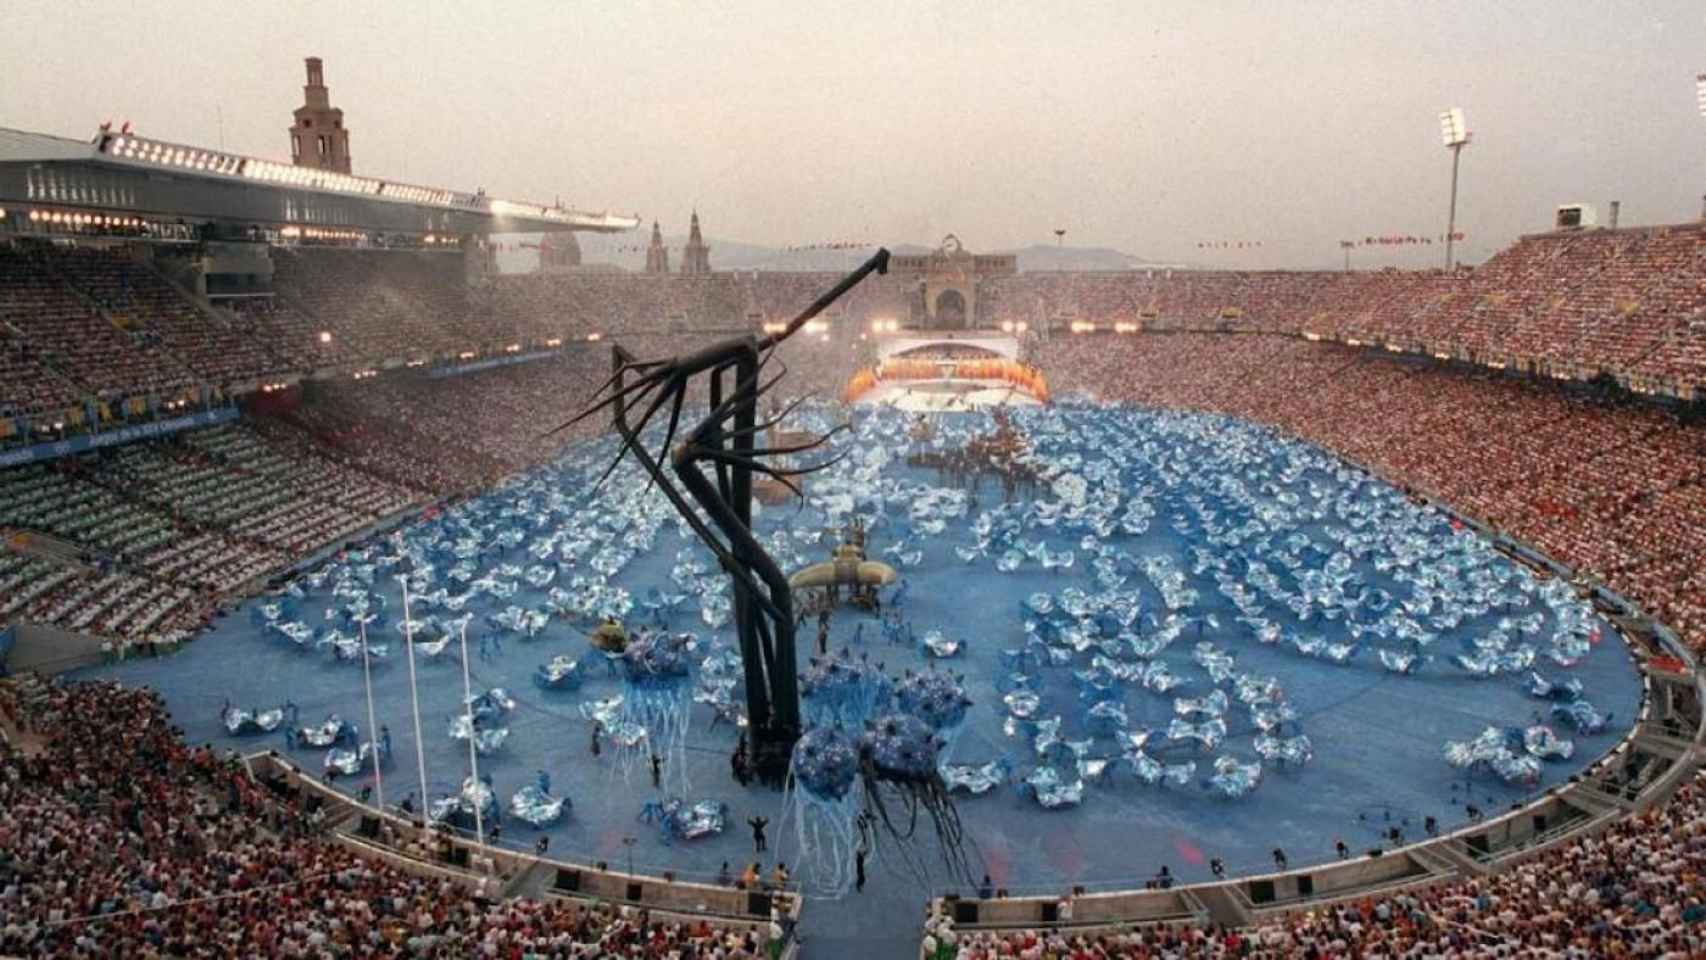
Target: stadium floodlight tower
<point>1455,132</point>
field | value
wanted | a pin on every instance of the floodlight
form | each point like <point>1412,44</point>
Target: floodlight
<point>1700,91</point>
<point>1453,130</point>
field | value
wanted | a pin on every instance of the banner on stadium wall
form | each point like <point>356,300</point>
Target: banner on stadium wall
<point>461,368</point>
<point>8,638</point>
<point>113,438</point>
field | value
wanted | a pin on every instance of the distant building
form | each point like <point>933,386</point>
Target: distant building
<point>559,252</point>
<point>946,282</point>
<point>657,255</point>
<point>695,257</point>
<point>318,138</point>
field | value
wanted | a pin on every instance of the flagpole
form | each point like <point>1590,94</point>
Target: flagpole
<point>372,725</point>
<point>415,699</point>
<point>473,763</point>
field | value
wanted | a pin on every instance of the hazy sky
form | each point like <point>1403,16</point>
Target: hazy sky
<point>1143,126</point>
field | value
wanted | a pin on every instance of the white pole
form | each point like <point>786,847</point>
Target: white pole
<point>473,763</point>
<point>372,724</point>
<point>415,700</point>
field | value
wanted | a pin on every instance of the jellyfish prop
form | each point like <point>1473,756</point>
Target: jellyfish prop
<point>1490,750</point>
<point>1047,740</point>
<point>350,762</point>
<point>677,819</point>
<point>1484,664</point>
<point>1217,663</point>
<point>491,705</point>
<point>348,649</point>
<point>821,804</point>
<point>433,649</point>
<point>936,645</point>
<point>1023,704</point>
<point>458,809</point>
<point>329,732</point>
<point>562,673</point>
<point>1158,678</point>
<point>656,701</point>
<point>1050,791</point>
<point>1540,741</point>
<point>978,779</point>
<point>240,723</point>
<point>1145,767</point>
<point>1233,779</point>
<point>1340,653</point>
<point>844,690</point>
<point>1207,734</point>
<point>939,699</point>
<point>296,632</point>
<point>1397,662</point>
<point>1270,718</point>
<point>1106,718</point>
<point>718,693</point>
<point>534,806</point>
<point>1581,716</point>
<point>487,739</point>
<point>1560,690</point>
<point>1153,772</point>
<point>1289,751</point>
<point>1213,705</point>
<point>606,713</point>
<point>901,779</point>
<point>1569,650</point>
<point>1253,690</point>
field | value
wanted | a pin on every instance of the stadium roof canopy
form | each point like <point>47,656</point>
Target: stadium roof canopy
<point>123,174</point>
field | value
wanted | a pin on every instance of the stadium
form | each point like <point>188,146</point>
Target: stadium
<point>365,594</point>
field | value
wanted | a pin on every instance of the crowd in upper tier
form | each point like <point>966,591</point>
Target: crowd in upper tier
<point>118,840</point>
<point>85,324</point>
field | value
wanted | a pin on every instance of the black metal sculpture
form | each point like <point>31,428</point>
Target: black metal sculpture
<point>763,602</point>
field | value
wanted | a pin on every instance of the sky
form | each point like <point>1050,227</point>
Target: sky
<point>1146,127</point>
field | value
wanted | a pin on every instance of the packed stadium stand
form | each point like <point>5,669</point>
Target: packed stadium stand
<point>105,812</point>
<point>1519,393</point>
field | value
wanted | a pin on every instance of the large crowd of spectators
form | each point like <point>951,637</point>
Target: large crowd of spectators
<point>1611,486</point>
<point>118,840</point>
<point>96,323</point>
<point>1629,302</point>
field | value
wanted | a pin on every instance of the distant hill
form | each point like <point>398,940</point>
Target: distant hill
<point>1043,256</point>
<point>628,252</point>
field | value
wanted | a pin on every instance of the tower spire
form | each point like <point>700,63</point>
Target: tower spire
<point>696,256</point>
<point>657,255</point>
<point>317,137</point>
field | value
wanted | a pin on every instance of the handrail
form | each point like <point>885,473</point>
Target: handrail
<point>519,861</point>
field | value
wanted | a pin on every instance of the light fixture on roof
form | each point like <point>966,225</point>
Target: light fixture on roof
<point>325,336</point>
<point>1453,130</point>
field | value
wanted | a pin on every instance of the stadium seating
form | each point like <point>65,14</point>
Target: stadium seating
<point>1604,482</point>
<point>116,839</point>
